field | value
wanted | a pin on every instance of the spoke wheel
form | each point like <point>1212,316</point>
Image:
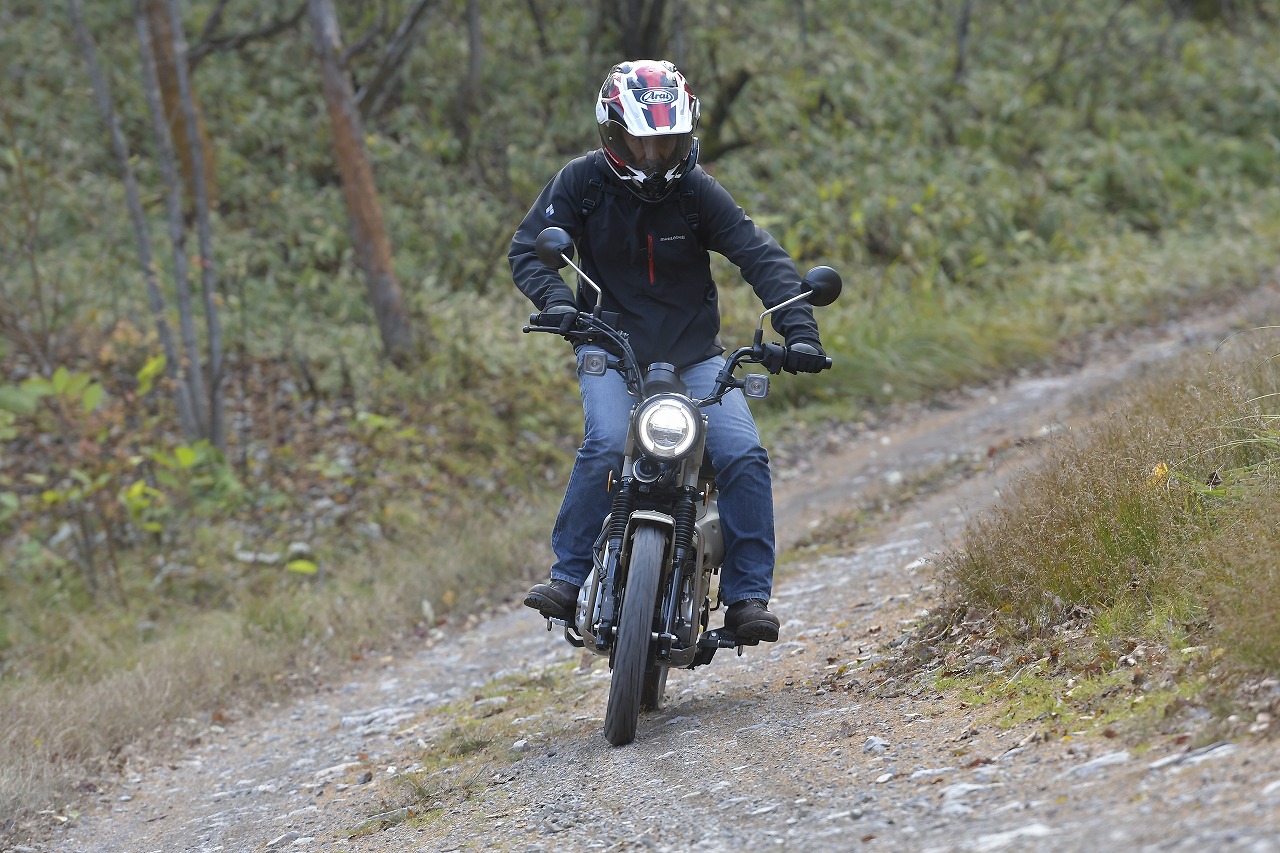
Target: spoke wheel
<point>635,628</point>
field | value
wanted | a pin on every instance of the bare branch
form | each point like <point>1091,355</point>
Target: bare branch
<point>712,141</point>
<point>361,44</point>
<point>373,94</point>
<point>211,44</point>
<point>214,21</point>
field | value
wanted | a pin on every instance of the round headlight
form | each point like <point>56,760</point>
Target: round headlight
<point>667,427</point>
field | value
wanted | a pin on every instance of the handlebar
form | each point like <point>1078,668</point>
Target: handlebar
<point>590,328</point>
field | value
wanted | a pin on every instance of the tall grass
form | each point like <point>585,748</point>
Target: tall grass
<point>1157,520</point>
<point>60,732</point>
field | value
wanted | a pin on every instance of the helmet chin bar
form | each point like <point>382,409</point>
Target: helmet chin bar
<point>656,187</point>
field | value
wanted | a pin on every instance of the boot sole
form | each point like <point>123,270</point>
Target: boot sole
<point>548,607</point>
<point>760,632</point>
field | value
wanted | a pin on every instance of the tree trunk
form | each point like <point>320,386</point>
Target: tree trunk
<point>208,277</point>
<point>161,25</point>
<point>372,248</point>
<point>464,103</point>
<point>191,368</point>
<point>642,28</point>
<point>539,27</point>
<point>962,41</point>
<point>183,396</point>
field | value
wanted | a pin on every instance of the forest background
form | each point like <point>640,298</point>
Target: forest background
<point>267,414</point>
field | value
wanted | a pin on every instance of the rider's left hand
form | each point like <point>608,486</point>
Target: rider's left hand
<point>560,316</point>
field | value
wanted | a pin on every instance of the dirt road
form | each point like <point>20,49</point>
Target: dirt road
<point>793,746</point>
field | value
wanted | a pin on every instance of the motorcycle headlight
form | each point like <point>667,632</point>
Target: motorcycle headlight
<point>667,426</point>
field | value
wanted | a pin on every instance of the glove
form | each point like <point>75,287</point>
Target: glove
<point>560,316</point>
<point>805,357</point>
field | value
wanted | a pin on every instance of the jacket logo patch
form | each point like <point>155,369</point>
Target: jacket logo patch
<point>672,237</point>
<point>551,210</point>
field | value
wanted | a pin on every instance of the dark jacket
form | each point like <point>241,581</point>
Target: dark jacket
<point>654,268</point>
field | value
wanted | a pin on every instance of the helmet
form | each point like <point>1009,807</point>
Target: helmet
<point>646,115</point>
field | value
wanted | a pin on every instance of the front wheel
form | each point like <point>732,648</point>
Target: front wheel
<point>635,633</point>
<point>655,686</point>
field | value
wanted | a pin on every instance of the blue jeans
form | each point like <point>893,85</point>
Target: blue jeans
<point>742,475</point>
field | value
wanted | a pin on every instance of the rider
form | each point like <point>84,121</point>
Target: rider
<point>644,215</point>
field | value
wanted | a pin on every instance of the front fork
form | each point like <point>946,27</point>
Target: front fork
<point>613,569</point>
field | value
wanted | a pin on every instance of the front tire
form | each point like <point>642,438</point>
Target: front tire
<point>655,685</point>
<point>635,629</point>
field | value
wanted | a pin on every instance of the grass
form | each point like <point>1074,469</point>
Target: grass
<point>1154,527</point>
<point>122,686</point>
<point>474,744</point>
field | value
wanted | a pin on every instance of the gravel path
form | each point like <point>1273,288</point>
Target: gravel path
<point>793,746</point>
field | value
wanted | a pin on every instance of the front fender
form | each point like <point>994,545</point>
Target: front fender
<point>649,518</point>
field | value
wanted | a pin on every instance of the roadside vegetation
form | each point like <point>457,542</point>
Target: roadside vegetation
<point>991,179</point>
<point>1138,558</point>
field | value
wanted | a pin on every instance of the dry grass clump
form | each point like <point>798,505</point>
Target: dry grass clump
<point>1158,520</point>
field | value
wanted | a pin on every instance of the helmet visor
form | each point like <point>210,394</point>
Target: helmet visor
<point>651,155</point>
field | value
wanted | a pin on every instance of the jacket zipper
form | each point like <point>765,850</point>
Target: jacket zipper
<point>651,259</point>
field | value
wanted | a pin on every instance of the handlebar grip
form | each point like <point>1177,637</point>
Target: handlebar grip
<point>798,361</point>
<point>562,321</point>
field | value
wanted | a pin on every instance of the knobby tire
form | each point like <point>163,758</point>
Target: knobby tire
<point>635,629</point>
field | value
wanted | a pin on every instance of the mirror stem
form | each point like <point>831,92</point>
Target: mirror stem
<point>587,279</point>
<point>790,301</point>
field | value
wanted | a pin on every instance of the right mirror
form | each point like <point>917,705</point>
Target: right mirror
<point>825,284</point>
<point>551,244</point>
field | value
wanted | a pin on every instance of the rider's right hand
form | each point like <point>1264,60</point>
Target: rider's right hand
<point>560,316</point>
<point>805,357</point>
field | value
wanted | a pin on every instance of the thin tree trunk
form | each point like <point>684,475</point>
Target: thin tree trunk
<point>642,28</point>
<point>962,40</point>
<point>177,232</point>
<point>372,248</point>
<point>677,25</point>
<point>208,276</point>
<point>184,397</point>
<point>163,22</point>
<point>539,26</point>
<point>464,101</point>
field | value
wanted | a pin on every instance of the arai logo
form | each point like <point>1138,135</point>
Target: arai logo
<point>653,97</point>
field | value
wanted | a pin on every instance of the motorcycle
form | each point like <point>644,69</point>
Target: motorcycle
<point>648,599</point>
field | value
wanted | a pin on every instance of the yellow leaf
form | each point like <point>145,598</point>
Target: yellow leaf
<point>302,567</point>
<point>185,455</point>
<point>1159,474</point>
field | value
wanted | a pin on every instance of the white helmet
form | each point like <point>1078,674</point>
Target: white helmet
<point>646,115</point>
